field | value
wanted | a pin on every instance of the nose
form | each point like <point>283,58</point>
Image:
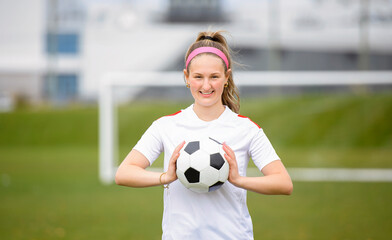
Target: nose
<point>206,84</point>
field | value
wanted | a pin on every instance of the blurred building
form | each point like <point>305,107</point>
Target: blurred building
<point>195,11</point>
<point>63,49</point>
<point>40,49</point>
<point>58,50</point>
<point>22,55</point>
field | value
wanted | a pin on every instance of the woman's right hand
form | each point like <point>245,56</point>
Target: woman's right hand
<point>171,175</point>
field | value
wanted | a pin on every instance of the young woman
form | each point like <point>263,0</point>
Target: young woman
<point>221,214</point>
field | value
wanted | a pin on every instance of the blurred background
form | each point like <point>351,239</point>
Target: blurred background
<point>57,50</point>
<point>55,53</point>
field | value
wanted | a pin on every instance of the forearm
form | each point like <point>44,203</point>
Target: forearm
<point>135,176</point>
<point>274,184</point>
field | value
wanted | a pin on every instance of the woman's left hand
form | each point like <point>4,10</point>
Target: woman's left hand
<point>234,175</point>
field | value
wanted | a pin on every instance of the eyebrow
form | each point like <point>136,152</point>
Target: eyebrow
<point>203,74</point>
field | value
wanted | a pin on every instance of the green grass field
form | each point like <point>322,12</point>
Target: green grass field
<point>49,186</point>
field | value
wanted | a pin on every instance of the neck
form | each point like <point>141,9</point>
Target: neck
<point>208,113</point>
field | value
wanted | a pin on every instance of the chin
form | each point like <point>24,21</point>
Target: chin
<point>208,103</point>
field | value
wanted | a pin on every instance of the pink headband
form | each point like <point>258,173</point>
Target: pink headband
<point>213,50</point>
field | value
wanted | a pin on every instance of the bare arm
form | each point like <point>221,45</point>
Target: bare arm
<point>132,171</point>
<point>275,181</point>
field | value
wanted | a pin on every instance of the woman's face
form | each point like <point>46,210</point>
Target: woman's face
<point>206,79</point>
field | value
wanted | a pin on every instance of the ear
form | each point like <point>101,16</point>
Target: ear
<point>186,75</point>
<point>228,73</point>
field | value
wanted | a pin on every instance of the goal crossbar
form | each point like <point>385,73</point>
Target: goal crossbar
<point>108,129</point>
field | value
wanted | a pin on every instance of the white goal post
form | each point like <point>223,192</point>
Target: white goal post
<point>108,129</point>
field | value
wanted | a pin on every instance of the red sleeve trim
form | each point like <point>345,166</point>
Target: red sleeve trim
<point>249,120</point>
<point>173,114</point>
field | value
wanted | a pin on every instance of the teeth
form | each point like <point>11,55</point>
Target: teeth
<point>206,93</point>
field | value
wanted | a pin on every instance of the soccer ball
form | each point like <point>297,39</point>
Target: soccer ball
<point>201,166</point>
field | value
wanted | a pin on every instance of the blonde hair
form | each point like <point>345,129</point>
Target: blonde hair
<point>230,96</point>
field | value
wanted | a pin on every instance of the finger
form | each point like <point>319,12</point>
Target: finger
<point>171,172</point>
<point>178,148</point>
<point>176,152</point>
<point>228,150</point>
<point>230,156</point>
<point>230,160</point>
<point>225,146</point>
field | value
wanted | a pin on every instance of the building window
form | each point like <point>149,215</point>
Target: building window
<point>62,43</point>
<point>62,87</point>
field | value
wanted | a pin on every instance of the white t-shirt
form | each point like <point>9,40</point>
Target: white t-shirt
<point>221,214</point>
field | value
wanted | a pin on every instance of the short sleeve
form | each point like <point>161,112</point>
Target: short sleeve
<point>261,150</point>
<point>150,144</point>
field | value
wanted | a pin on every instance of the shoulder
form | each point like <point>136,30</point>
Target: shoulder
<point>169,118</point>
<point>239,121</point>
<point>174,114</point>
<point>248,121</point>
<point>242,121</point>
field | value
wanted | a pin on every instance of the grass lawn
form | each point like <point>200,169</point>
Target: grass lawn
<point>49,186</point>
<point>54,193</point>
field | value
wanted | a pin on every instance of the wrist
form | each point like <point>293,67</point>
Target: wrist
<point>238,181</point>
<point>163,181</point>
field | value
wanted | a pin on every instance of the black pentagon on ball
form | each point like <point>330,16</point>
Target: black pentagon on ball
<point>215,186</point>
<point>192,175</point>
<point>216,161</point>
<point>192,147</point>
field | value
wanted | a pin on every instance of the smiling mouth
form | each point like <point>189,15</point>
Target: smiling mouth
<point>206,93</point>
